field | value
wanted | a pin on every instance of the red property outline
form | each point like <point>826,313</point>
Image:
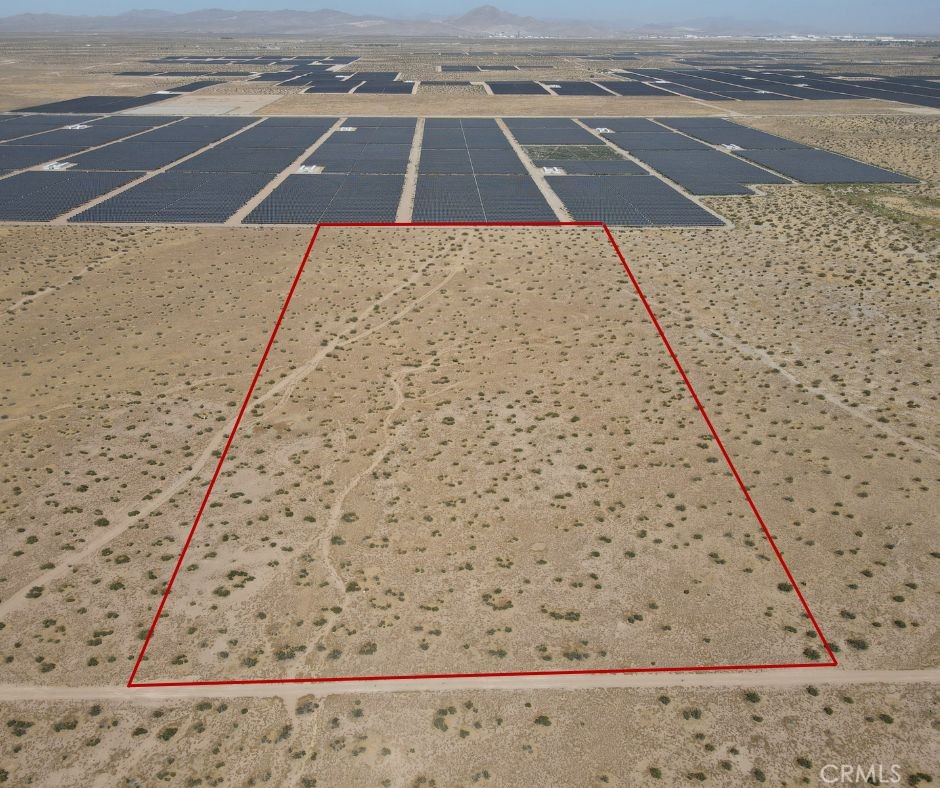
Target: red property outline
<point>685,378</point>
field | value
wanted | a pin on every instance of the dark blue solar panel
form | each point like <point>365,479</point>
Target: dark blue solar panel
<point>633,200</point>
<point>572,134</point>
<point>513,198</point>
<point>135,123</point>
<point>633,88</point>
<point>192,87</point>
<point>496,162</point>
<point>330,87</point>
<point>279,136</point>
<point>371,120</point>
<point>818,166</point>
<point>447,198</point>
<point>97,104</point>
<point>486,138</point>
<point>22,125</point>
<point>654,140</point>
<point>517,88</point>
<point>566,88</point>
<point>365,134</point>
<point>42,196</point>
<point>134,155</point>
<point>433,124</point>
<point>79,138</point>
<point>227,158</point>
<point>308,199</point>
<point>443,138</point>
<point>706,171</point>
<point>205,130</point>
<point>182,197</point>
<point>18,157</point>
<point>442,161</point>
<point>386,87</point>
<point>594,166</point>
<point>304,121</point>
<point>723,132</point>
<point>622,124</point>
<point>539,123</point>
<point>362,158</point>
<point>479,123</point>
<point>377,76</point>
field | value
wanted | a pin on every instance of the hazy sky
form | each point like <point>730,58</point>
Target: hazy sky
<point>914,16</point>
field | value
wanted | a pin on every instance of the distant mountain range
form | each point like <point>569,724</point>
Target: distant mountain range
<point>485,21</point>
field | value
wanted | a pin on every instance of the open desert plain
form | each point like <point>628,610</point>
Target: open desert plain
<point>468,432</point>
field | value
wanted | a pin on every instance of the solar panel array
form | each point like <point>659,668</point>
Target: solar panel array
<point>621,124</point>
<point>309,199</point>
<point>479,198</point>
<point>750,77</point>
<point>633,88</point>
<point>468,168</point>
<point>386,87</point>
<point>192,87</point>
<point>42,196</point>
<point>514,88</point>
<point>179,197</point>
<point>706,171</point>
<point>693,85</point>
<point>550,131</point>
<point>19,157</point>
<point>260,149</point>
<point>797,161</point>
<point>160,147</point>
<point>50,142</point>
<point>457,68</point>
<point>100,104</point>
<point>135,155</point>
<point>653,140</point>
<point>14,126</point>
<point>201,73</point>
<point>820,166</point>
<point>575,88</point>
<point>368,146</point>
<point>469,172</point>
<point>79,138</point>
<point>779,84</point>
<point>592,166</point>
<point>633,200</point>
<point>321,79</point>
<point>719,131</point>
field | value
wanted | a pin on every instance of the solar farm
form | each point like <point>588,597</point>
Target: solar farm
<point>444,411</point>
<point>348,75</point>
<point>628,171</point>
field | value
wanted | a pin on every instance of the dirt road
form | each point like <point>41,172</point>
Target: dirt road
<point>796,677</point>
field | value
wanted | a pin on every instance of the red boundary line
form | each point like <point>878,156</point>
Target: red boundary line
<point>327,679</point>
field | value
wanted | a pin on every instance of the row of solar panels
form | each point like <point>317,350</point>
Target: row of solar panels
<point>259,59</point>
<point>713,84</point>
<point>179,74</point>
<point>468,168</point>
<point>108,104</point>
<point>29,140</point>
<point>330,82</point>
<point>710,84</point>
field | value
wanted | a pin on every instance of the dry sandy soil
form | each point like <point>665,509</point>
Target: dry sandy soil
<point>465,376</point>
